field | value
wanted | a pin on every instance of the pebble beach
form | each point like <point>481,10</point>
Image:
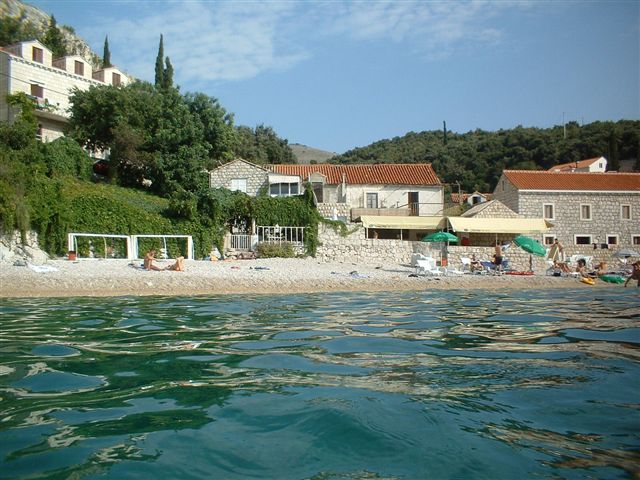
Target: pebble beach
<point>99,277</point>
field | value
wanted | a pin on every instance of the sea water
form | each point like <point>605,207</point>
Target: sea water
<point>422,385</point>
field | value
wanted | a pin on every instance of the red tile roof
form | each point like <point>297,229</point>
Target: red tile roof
<point>380,174</point>
<point>571,165</point>
<point>455,198</point>
<point>543,180</point>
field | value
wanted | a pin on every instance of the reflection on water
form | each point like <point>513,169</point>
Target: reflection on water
<point>396,385</point>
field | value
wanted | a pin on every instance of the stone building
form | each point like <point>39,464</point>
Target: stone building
<point>29,67</point>
<point>583,208</point>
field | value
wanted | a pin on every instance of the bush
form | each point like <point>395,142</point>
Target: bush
<point>271,250</point>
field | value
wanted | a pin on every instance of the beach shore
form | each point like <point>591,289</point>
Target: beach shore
<point>93,277</point>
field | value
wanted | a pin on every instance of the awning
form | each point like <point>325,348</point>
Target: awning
<point>498,225</point>
<point>279,178</point>
<point>406,223</point>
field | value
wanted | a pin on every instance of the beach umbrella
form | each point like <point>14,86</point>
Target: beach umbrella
<point>441,237</point>
<point>530,245</point>
<point>626,253</point>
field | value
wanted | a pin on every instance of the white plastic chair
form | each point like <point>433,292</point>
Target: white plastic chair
<point>427,266</point>
<point>466,264</point>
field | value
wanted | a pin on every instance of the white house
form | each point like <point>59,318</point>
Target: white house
<point>29,67</point>
<point>592,165</point>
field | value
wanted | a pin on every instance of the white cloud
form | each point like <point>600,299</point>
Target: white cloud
<point>210,41</point>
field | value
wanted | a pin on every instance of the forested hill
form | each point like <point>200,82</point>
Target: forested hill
<point>476,159</point>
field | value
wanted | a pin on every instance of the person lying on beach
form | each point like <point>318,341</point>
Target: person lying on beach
<point>635,274</point>
<point>178,266</point>
<point>148,260</point>
<point>562,266</point>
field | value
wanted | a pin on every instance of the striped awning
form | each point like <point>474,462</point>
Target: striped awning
<point>498,225</point>
<point>403,223</point>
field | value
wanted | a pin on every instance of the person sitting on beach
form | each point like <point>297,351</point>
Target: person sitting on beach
<point>475,265</point>
<point>178,266</point>
<point>562,266</point>
<point>635,274</point>
<point>148,260</point>
<point>582,268</point>
<point>601,269</point>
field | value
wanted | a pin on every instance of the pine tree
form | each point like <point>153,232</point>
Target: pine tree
<point>106,56</point>
<point>167,81</point>
<point>159,65</point>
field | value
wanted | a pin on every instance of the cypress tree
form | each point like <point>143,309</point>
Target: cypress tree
<point>160,65</point>
<point>106,56</point>
<point>167,81</point>
<point>54,40</point>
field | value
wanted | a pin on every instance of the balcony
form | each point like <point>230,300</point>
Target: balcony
<point>356,213</point>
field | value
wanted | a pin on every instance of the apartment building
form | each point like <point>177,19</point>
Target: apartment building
<point>29,67</point>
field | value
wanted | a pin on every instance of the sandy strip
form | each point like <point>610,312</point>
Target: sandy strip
<point>263,276</point>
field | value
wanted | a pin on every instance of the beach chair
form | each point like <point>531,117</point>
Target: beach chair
<point>427,266</point>
<point>466,264</point>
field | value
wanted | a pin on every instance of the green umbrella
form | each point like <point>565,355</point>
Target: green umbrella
<point>441,237</point>
<point>530,245</point>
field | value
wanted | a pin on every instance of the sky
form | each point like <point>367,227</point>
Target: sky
<point>337,75</point>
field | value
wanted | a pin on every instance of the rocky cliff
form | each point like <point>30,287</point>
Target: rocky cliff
<point>40,21</point>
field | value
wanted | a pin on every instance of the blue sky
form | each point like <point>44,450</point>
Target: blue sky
<point>337,75</point>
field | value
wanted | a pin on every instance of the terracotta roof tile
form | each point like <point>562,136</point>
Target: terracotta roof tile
<point>380,174</point>
<point>571,165</point>
<point>544,180</point>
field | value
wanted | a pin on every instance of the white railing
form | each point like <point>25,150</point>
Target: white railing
<point>278,234</point>
<point>240,242</point>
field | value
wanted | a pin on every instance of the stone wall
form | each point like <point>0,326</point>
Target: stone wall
<point>256,177</point>
<point>355,248</point>
<point>327,209</point>
<point>606,218</point>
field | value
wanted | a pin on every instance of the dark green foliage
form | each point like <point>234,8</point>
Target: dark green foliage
<point>262,146</point>
<point>54,39</point>
<point>106,56</point>
<point>159,79</point>
<point>64,157</point>
<point>476,159</point>
<point>167,79</point>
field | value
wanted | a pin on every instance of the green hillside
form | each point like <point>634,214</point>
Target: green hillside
<point>476,159</point>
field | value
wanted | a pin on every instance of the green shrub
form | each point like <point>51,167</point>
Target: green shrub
<point>271,250</point>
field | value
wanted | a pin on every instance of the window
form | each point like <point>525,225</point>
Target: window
<point>585,212</point>
<point>372,200</point>
<point>612,239</point>
<point>283,189</point>
<point>239,184</point>
<point>635,239</point>
<point>37,90</point>
<point>79,68</point>
<point>582,239</point>
<point>548,211</point>
<point>548,239</point>
<point>36,55</point>
<point>625,212</point>
<point>115,79</point>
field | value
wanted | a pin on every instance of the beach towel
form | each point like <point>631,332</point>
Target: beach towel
<point>42,268</point>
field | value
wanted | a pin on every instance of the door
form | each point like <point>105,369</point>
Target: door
<point>414,203</point>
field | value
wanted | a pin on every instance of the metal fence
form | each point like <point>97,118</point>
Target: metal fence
<point>278,234</point>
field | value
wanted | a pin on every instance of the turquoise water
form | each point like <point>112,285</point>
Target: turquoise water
<point>421,385</point>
